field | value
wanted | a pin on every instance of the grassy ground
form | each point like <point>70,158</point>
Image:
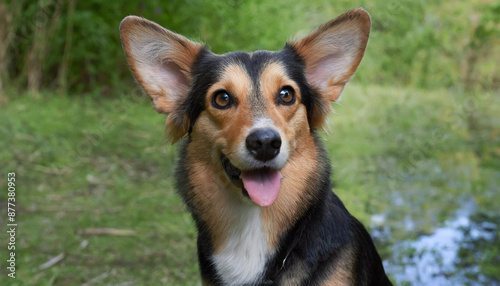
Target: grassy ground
<point>84,163</point>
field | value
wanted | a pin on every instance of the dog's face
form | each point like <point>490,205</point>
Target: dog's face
<point>246,113</point>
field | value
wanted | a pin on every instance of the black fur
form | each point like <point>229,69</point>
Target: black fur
<point>325,229</point>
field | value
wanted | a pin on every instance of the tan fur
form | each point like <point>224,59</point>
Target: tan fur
<point>341,273</point>
<point>236,81</point>
<point>294,275</point>
<point>273,78</point>
<point>211,186</point>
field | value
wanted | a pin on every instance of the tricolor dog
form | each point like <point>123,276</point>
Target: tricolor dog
<point>252,170</point>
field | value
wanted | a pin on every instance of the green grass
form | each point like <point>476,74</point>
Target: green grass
<point>86,163</point>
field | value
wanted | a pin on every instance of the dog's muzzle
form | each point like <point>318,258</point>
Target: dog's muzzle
<point>263,144</point>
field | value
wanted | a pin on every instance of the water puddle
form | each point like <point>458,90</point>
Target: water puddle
<point>438,258</point>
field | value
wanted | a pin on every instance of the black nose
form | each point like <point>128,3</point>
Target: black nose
<point>264,144</point>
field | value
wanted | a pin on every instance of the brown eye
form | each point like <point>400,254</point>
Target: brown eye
<point>222,100</point>
<point>286,95</point>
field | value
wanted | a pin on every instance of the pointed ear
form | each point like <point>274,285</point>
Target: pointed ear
<point>333,52</point>
<point>161,62</point>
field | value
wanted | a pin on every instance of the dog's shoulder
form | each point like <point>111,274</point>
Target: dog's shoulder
<point>328,246</point>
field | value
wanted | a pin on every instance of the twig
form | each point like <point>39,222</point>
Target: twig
<point>52,170</point>
<point>106,231</point>
<point>53,261</point>
<point>96,279</point>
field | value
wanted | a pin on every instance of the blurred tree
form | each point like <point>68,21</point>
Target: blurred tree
<point>46,23</point>
<point>483,37</point>
<point>480,47</point>
<point>5,20</point>
<point>62,73</point>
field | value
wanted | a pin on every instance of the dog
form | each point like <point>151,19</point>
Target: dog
<point>252,169</point>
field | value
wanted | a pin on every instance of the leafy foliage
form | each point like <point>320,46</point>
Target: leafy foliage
<point>422,43</point>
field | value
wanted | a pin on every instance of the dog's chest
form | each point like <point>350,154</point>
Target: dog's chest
<point>243,258</point>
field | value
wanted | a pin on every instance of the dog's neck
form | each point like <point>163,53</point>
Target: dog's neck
<point>241,233</point>
<point>243,254</point>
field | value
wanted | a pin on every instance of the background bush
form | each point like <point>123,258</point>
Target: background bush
<point>74,46</point>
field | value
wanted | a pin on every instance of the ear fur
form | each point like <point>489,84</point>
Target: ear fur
<point>331,54</point>
<point>161,62</point>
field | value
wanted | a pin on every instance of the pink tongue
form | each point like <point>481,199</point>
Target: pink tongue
<point>262,186</point>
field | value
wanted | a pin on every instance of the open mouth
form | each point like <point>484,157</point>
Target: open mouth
<point>261,185</point>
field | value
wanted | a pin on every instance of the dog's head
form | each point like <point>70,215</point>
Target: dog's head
<point>249,112</point>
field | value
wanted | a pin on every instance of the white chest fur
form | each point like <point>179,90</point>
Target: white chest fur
<point>243,258</point>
